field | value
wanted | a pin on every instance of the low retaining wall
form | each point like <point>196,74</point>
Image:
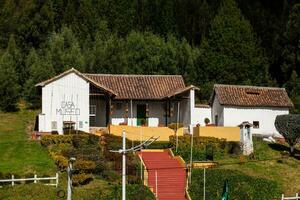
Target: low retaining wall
<point>228,133</point>
<point>137,133</point>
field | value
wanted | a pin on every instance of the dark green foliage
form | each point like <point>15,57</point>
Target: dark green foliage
<point>134,192</point>
<point>289,127</point>
<point>201,145</point>
<point>40,69</point>
<point>205,41</point>
<point>9,88</point>
<point>241,186</point>
<point>231,53</point>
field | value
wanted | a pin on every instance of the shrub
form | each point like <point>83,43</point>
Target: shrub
<point>48,140</point>
<point>220,148</point>
<point>86,166</point>
<point>112,176</point>
<point>206,121</point>
<point>81,179</point>
<point>60,161</point>
<point>289,127</point>
<point>241,186</point>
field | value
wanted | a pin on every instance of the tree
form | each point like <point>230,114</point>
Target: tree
<point>231,53</point>
<point>289,127</point>
<point>15,54</point>
<point>291,51</point>
<point>40,69</point>
<point>9,88</point>
<point>65,51</point>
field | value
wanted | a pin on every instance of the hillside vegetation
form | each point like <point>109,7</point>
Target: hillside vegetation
<point>207,42</point>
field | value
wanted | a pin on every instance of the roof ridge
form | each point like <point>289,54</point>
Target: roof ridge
<point>132,75</point>
<point>250,86</point>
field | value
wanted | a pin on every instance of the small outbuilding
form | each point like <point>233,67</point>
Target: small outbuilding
<point>233,104</point>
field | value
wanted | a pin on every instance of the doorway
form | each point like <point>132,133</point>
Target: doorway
<point>141,114</point>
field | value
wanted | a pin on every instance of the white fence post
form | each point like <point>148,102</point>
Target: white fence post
<point>56,180</point>
<point>35,176</point>
<point>12,180</point>
<point>35,179</point>
<point>297,197</point>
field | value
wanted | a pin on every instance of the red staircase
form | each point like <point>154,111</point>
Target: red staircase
<point>171,175</point>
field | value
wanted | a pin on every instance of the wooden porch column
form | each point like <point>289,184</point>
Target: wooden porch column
<point>108,110</point>
<point>167,112</point>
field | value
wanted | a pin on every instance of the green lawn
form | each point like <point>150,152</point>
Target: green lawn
<point>285,171</point>
<point>97,189</point>
<point>19,154</point>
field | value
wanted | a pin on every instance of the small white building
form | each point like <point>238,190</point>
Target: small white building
<point>81,101</point>
<point>234,104</point>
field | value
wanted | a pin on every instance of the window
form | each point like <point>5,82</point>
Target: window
<point>92,120</point>
<point>255,124</point>
<point>54,125</point>
<point>92,110</point>
<point>80,124</point>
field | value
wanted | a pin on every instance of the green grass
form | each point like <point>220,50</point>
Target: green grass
<point>97,189</point>
<point>269,164</point>
<point>19,154</point>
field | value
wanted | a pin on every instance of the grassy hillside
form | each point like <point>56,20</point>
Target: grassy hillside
<point>19,154</point>
<point>270,164</point>
<point>264,176</point>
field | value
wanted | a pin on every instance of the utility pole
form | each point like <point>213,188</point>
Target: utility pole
<point>123,151</point>
<point>191,158</point>
<point>124,166</point>
<point>69,172</point>
<point>204,183</point>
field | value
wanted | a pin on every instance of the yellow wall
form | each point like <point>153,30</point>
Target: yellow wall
<point>228,133</point>
<point>137,133</point>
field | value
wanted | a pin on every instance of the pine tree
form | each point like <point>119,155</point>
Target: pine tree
<point>16,55</point>
<point>40,69</point>
<point>291,51</point>
<point>65,51</point>
<point>9,88</point>
<point>231,53</point>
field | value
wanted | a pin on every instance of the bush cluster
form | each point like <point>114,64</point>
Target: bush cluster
<point>205,147</point>
<point>92,155</point>
<point>48,140</point>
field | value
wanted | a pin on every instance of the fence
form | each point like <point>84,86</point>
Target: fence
<point>34,179</point>
<point>297,197</point>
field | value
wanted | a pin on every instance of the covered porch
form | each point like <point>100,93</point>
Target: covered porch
<point>175,108</point>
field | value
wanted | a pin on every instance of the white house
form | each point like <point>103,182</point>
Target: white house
<point>81,101</point>
<point>234,104</point>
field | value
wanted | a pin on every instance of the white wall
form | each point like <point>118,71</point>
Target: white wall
<point>234,116</point>
<point>199,114</point>
<point>66,99</point>
<point>217,109</point>
<point>156,113</point>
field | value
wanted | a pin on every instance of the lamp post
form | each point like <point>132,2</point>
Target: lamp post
<point>69,171</point>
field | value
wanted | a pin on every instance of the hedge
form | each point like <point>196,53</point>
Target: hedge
<point>220,147</point>
<point>241,186</point>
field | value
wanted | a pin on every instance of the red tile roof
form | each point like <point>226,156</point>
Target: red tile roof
<point>252,96</point>
<point>122,86</point>
<point>141,86</point>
